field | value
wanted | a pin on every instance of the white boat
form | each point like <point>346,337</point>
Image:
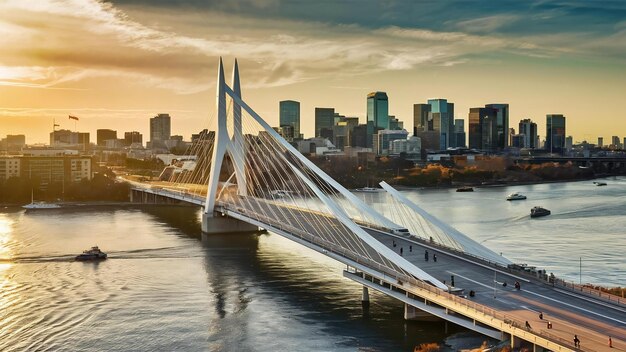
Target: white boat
<point>369,190</point>
<point>39,205</point>
<point>515,196</point>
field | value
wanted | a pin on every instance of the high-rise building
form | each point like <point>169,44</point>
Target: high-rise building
<point>600,142</point>
<point>555,133</point>
<point>615,142</point>
<point>502,124</point>
<point>160,130</point>
<point>529,130</point>
<point>459,133</point>
<point>411,147</point>
<point>569,142</point>
<point>358,137</point>
<point>483,130</point>
<point>324,119</point>
<point>377,114</point>
<point>624,144</point>
<point>395,124</point>
<point>517,140</point>
<point>436,116</point>
<point>132,137</point>
<point>289,115</point>
<point>510,135</point>
<point>441,118</point>
<point>102,135</point>
<point>420,118</point>
<point>383,139</point>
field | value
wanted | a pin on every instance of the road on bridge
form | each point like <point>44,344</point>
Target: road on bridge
<point>593,321</point>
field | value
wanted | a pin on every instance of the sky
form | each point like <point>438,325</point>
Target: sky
<point>115,64</point>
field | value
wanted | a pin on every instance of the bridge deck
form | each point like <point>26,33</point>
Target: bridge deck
<point>569,313</point>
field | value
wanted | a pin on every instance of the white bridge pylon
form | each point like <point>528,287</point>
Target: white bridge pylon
<point>235,147</point>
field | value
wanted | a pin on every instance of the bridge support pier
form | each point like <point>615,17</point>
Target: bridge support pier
<point>218,223</point>
<point>412,313</point>
<point>365,298</point>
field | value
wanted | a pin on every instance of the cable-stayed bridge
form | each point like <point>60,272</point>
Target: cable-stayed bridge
<point>245,176</point>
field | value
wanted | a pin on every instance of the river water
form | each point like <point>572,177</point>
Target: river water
<point>166,287</point>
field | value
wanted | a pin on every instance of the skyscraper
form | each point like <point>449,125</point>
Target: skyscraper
<point>529,130</point>
<point>289,115</point>
<point>600,142</point>
<point>555,133</point>
<point>160,130</point>
<point>420,118</point>
<point>377,114</point>
<point>441,118</point>
<point>502,124</point>
<point>324,119</point>
<point>483,130</point>
<point>459,133</point>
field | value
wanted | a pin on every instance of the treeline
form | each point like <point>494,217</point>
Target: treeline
<point>397,171</point>
<point>17,190</point>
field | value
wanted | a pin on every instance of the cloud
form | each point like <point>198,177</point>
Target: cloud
<point>60,43</point>
<point>487,24</point>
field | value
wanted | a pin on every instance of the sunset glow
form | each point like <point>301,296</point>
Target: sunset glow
<point>119,63</point>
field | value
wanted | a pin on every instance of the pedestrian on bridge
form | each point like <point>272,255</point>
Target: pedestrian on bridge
<point>540,316</point>
<point>400,251</point>
<point>434,257</point>
<point>426,255</point>
<point>610,342</point>
<point>528,325</point>
<point>576,341</point>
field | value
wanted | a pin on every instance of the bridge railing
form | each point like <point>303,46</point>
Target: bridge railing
<point>398,279</point>
<point>592,291</point>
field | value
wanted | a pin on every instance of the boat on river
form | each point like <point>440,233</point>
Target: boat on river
<point>599,183</point>
<point>515,196</point>
<point>465,189</point>
<point>369,190</point>
<point>92,254</point>
<point>536,212</point>
<point>39,205</point>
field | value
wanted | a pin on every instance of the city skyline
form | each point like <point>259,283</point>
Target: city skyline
<point>159,57</point>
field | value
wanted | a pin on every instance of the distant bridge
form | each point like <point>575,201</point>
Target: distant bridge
<point>246,177</point>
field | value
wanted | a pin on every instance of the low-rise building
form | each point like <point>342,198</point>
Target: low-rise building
<point>47,168</point>
<point>9,167</point>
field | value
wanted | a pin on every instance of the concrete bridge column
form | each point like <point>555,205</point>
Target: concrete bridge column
<point>365,297</point>
<point>412,313</point>
<point>218,223</point>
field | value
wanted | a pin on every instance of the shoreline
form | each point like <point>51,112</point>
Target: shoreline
<point>396,186</point>
<point>503,184</point>
<point>93,203</point>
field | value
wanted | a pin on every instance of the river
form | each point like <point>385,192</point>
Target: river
<point>166,287</point>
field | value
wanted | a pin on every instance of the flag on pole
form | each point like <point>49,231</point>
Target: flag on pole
<point>73,117</point>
